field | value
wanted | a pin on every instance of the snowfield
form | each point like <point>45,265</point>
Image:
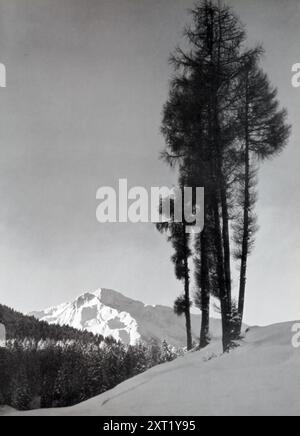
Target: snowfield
<point>261,377</point>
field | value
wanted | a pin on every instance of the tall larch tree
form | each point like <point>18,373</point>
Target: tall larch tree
<point>180,240</point>
<point>264,133</point>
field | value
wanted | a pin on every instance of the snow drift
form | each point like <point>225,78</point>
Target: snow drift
<point>261,377</point>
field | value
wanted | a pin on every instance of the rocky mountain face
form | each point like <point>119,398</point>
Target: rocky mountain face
<point>109,313</point>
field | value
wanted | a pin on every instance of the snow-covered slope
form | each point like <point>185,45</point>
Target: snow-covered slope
<point>261,377</point>
<point>110,313</point>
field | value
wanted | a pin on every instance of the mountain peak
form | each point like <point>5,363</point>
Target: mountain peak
<point>110,313</point>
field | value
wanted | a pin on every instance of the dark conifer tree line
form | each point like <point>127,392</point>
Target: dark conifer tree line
<point>48,374</point>
<point>60,366</point>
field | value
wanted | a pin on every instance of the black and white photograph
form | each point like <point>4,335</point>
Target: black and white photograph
<point>149,211</point>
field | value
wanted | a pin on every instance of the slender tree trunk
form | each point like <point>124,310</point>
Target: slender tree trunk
<point>225,304</point>
<point>219,205</point>
<point>220,195</point>
<point>222,234</point>
<point>221,185</point>
<point>226,240</point>
<point>223,193</point>
<point>205,293</point>
<point>245,243</point>
<point>187,299</point>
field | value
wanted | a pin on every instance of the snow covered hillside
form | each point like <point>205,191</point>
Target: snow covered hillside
<point>110,313</point>
<point>261,377</point>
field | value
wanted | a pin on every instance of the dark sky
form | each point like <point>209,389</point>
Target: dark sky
<point>87,80</point>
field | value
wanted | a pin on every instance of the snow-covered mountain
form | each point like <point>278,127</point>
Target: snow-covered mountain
<point>110,313</point>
